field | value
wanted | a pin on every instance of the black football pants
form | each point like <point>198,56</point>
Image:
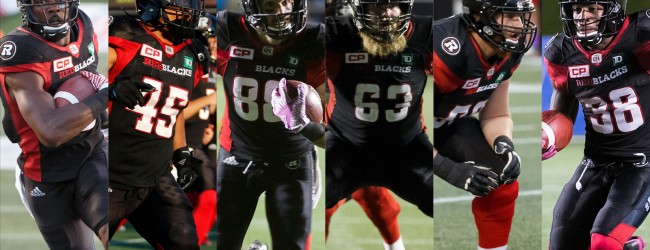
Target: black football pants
<point>287,185</point>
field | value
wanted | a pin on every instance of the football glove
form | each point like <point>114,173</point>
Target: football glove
<point>505,150</point>
<point>186,166</point>
<point>476,179</point>
<point>292,111</point>
<point>548,152</point>
<point>99,81</point>
<point>128,91</point>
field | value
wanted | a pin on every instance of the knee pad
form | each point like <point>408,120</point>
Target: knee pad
<point>464,141</point>
<point>603,242</point>
<point>183,236</point>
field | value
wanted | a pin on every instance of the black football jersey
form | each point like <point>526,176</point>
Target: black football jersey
<point>22,50</point>
<point>464,80</point>
<point>613,87</point>
<point>376,101</point>
<point>142,138</point>
<point>251,70</point>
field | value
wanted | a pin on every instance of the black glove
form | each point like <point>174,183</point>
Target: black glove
<point>505,150</point>
<point>128,91</point>
<point>475,179</point>
<point>186,166</point>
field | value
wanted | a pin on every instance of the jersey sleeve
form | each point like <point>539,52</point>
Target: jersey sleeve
<point>449,57</point>
<point>119,32</point>
<point>223,41</point>
<point>642,53</point>
<point>553,60</point>
<point>316,67</point>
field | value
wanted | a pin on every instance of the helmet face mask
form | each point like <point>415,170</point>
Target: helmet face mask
<point>181,17</point>
<point>605,20</point>
<point>51,19</point>
<point>369,19</point>
<point>277,19</point>
<point>504,23</point>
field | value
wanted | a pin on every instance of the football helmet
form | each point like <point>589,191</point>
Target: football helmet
<point>181,17</point>
<point>381,28</point>
<point>337,8</point>
<point>608,24</point>
<point>493,30</point>
<point>277,26</point>
<point>53,28</point>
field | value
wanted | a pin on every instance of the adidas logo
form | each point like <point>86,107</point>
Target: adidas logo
<point>36,192</point>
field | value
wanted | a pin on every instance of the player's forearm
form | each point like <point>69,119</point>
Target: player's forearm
<point>197,104</point>
<point>495,127</point>
<point>565,103</point>
<point>55,127</point>
<point>179,133</point>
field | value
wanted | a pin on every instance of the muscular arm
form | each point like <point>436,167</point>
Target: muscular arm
<point>565,103</point>
<point>197,104</point>
<point>179,134</point>
<point>495,116</point>
<point>112,57</point>
<point>53,126</point>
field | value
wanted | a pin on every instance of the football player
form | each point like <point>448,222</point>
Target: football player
<point>378,204</point>
<point>601,63</point>
<point>260,152</point>
<point>63,165</point>
<point>378,60</point>
<point>155,61</point>
<point>475,54</point>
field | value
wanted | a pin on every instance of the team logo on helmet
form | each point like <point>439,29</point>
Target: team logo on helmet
<point>451,45</point>
<point>7,50</point>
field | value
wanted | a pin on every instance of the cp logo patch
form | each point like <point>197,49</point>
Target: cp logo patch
<point>451,45</point>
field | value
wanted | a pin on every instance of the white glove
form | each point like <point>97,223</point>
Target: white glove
<point>290,110</point>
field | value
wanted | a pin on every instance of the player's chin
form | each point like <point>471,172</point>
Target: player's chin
<point>377,48</point>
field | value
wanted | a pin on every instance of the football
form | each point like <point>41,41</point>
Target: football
<point>557,129</point>
<point>314,107</point>
<point>73,91</point>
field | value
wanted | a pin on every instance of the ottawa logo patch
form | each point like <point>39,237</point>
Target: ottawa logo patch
<point>451,45</point>
<point>7,50</point>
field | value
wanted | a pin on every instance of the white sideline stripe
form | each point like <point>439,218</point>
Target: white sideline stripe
<point>523,128</point>
<point>526,110</point>
<point>530,140</point>
<point>470,198</point>
<point>522,88</point>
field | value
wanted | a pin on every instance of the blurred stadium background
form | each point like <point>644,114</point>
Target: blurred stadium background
<point>559,169</point>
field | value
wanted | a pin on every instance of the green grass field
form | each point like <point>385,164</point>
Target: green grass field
<point>454,222</point>
<point>556,173</point>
